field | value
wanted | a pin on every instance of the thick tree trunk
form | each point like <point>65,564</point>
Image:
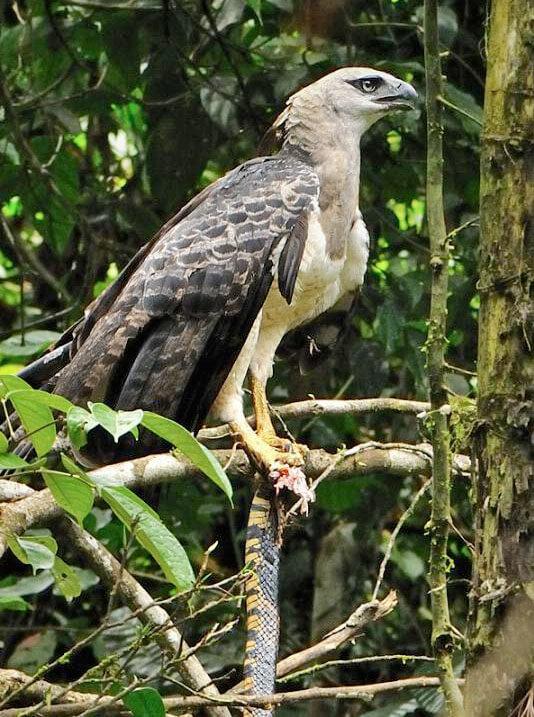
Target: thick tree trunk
<point>501,634</point>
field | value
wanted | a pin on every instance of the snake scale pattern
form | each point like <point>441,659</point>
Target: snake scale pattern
<point>262,555</point>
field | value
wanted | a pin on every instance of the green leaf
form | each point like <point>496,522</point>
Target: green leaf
<point>66,579</point>
<point>36,418</point>
<point>4,444</point>
<point>32,342</point>
<point>145,702</point>
<point>12,383</point>
<point>10,461</point>
<point>14,603</point>
<point>409,562</point>
<point>36,550</point>
<point>116,422</point>
<point>79,423</point>
<point>151,534</point>
<point>27,586</point>
<point>52,400</point>
<point>187,444</point>
<point>255,6</point>
<point>71,493</point>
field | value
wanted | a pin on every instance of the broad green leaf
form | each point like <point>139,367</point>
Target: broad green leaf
<point>27,586</point>
<point>133,505</point>
<point>4,444</point>
<point>116,422</point>
<point>79,423</point>
<point>52,400</point>
<point>10,461</point>
<point>71,493</point>
<point>187,444</point>
<point>39,551</point>
<point>36,418</point>
<point>12,383</point>
<point>29,343</point>
<point>92,480</point>
<point>14,603</point>
<point>151,534</point>
<point>66,579</point>
<point>145,702</point>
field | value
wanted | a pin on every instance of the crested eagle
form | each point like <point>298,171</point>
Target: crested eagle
<point>266,248</point>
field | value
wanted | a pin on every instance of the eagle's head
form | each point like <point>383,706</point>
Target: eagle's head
<point>355,96</point>
<point>363,95</point>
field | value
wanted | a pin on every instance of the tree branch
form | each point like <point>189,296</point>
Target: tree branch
<point>328,407</point>
<point>364,693</point>
<point>29,258</point>
<point>442,634</point>
<point>132,594</point>
<point>352,628</point>
<point>393,459</point>
<point>39,690</point>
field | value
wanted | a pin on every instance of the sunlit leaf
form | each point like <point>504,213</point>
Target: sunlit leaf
<point>39,551</point>
<point>66,579</point>
<point>116,422</point>
<point>187,444</point>
<point>79,423</point>
<point>71,493</point>
<point>10,461</point>
<point>36,417</point>
<point>152,534</point>
<point>14,603</point>
<point>27,586</point>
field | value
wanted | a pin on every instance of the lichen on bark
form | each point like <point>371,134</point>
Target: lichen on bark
<point>504,490</point>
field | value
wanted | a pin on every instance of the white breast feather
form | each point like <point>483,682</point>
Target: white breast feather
<point>321,281</point>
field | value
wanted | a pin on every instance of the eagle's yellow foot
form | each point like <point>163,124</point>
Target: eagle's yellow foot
<point>283,467</point>
<point>285,446</point>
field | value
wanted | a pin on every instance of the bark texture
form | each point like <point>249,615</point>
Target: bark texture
<point>502,615</point>
<point>443,642</point>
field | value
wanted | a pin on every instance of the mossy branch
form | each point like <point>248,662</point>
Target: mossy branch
<point>442,634</point>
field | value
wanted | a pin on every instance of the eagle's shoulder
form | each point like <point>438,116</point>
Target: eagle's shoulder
<point>228,241</point>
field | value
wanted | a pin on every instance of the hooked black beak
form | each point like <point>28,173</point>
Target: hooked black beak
<point>404,97</point>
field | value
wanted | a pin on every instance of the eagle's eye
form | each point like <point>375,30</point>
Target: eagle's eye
<point>370,84</point>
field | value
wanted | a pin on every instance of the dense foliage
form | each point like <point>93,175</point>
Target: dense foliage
<point>114,114</point>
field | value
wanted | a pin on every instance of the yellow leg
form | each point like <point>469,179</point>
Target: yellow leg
<point>264,424</point>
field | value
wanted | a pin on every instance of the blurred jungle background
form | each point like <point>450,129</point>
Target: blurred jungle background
<point>114,114</point>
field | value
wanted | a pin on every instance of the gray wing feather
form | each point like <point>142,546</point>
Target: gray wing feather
<point>190,302</point>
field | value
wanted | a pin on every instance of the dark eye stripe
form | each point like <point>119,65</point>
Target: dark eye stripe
<point>358,84</point>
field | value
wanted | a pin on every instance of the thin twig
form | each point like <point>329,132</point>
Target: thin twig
<point>452,106</point>
<point>393,537</point>
<point>442,634</point>
<point>353,661</point>
<point>329,407</point>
